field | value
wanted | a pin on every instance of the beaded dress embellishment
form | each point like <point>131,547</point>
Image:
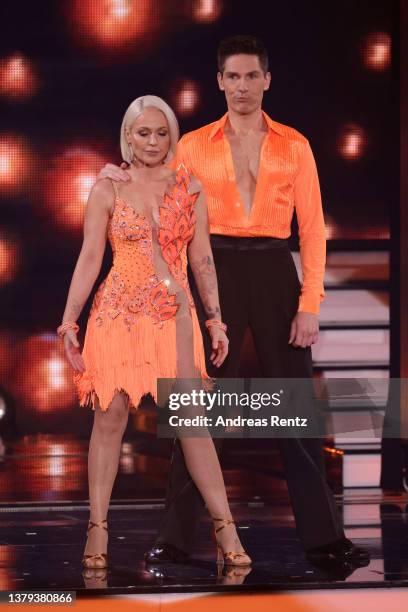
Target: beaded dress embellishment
<point>121,294</point>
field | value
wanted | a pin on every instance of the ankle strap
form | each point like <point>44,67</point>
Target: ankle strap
<point>91,524</point>
<point>225,522</point>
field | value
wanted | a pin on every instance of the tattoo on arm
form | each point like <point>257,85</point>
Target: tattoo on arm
<point>206,279</point>
<point>213,313</point>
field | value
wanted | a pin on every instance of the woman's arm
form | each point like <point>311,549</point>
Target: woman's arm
<point>88,265</point>
<point>89,262</point>
<point>202,265</point>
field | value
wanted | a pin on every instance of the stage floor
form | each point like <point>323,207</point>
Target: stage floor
<point>41,547</point>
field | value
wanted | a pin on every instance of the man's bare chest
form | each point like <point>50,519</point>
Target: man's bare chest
<point>246,152</point>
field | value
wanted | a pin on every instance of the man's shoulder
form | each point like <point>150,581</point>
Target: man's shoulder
<point>288,132</point>
<point>203,133</point>
<point>199,135</point>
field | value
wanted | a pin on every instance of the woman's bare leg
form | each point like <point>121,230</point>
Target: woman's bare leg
<point>202,462</point>
<point>103,461</point>
<point>199,451</point>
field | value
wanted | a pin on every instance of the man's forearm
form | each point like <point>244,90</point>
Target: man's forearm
<point>206,280</point>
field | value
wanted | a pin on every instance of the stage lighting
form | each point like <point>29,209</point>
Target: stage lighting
<point>9,258</point>
<point>185,97</point>
<point>68,183</point>
<point>206,11</point>
<point>115,26</point>
<point>45,382</point>
<point>127,464</point>
<point>7,345</point>
<point>56,459</point>
<point>331,228</point>
<point>2,408</point>
<point>17,77</point>
<point>376,51</point>
<point>15,164</point>
<point>7,414</point>
<point>55,471</point>
<point>352,142</point>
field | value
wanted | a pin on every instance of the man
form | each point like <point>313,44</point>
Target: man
<point>255,173</point>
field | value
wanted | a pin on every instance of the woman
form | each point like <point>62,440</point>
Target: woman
<point>143,324</point>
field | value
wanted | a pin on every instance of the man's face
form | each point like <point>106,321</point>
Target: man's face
<point>244,83</point>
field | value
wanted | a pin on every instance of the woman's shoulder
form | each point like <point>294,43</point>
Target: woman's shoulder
<point>104,188</point>
<point>102,195</point>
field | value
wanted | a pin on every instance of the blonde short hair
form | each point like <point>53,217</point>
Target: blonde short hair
<point>135,109</point>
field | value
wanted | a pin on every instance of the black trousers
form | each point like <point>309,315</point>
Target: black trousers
<point>258,285</point>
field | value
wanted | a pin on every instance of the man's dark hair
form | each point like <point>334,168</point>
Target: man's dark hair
<point>249,45</point>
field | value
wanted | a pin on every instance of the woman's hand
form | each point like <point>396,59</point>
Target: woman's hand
<point>220,343</point>
<point>72,351</point>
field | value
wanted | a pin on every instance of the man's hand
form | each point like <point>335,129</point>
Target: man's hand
<point>115,173</point>
<point>219,343</point>
<point>304,330</point>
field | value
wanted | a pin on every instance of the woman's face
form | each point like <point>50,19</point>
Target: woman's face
<point>149,136</point>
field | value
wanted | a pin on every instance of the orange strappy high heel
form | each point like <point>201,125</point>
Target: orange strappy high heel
<point>88,561</point>
<point>232,557</point>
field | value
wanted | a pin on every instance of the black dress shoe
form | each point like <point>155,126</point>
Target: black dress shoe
<point>162,552</point>
<point>338,570</point>
<point>339,551</point>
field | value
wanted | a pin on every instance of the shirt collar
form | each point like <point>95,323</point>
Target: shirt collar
<point>218,126</point>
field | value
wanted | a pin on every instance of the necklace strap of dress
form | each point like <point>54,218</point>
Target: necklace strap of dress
<point>115,188</point>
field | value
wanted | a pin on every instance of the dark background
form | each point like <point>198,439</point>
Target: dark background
<point>320,84</point>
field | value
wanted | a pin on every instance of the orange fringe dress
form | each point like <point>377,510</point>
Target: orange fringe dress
<point>143,323</point>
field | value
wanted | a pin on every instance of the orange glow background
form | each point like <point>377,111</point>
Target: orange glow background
<point>64,94</point>
<point>43,377</point>
<point>16,164</point>
<point>114,27</point>
<point>68,182</point>
<point>18,79</point>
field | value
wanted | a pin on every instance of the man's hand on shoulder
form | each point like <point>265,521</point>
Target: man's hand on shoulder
<point>116,173</point>
<point>304,330</point>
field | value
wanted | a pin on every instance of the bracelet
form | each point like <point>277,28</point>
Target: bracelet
<point>216,323</point>
<point>62,329</point>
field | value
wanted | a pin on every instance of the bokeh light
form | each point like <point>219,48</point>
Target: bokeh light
<point>9,556</point>
<point>207,11</point>
<point>10,258</point>
<point>16,163</point>
<point>353,231</point>
<point>376,51</point>
<point>113,26</point>
<point>185,96</point>
<point>352,142</point>
<point>331,227</point>
<point>45,380</point>
<point>68,183</point>
<point>7,355</point>
<point>3,407</point>
<point>17,77</point>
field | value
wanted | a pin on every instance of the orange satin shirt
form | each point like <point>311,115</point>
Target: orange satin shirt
<point>287,181</point>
